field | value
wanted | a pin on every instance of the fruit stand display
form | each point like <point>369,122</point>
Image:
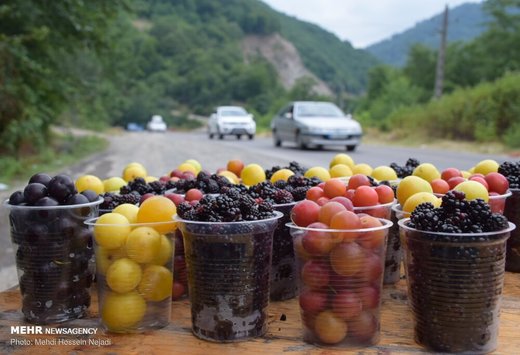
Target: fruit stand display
<point>316,238</point>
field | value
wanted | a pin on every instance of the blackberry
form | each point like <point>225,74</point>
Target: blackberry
<point>479,210</point>
<point>108,201</point>
<point>407,169</point>
<point>314,181</point>
<point>157,187</point>
<point>424,217</point>
<point>299,193</point>
<point>283,196</point>
<point>213,187</point>
<point>511,171</point>
<point>449,228</point>
<point>495,223</point>
<point>183,208</point>
<point>413,163</point>
<point>221,180</point>
<point>234,192</point>
<point>295,167</point>
<point>208,200</point>
<point>454,201</point>
<point>203,176</point>
<point>125,189</point>
<point>265,190</point>
<point>297,181</point>
<point>280,184</point>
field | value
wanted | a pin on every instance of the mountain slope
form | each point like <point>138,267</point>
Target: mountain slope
<point>285,59</point>
<point>465,22</point>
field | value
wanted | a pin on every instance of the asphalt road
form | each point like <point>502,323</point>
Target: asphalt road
<point>160,153</point>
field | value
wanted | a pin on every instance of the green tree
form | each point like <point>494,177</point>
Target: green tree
<point>35,39</point>
<point>420,69</point>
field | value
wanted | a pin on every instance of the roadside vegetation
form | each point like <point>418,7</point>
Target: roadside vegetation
<point>62,150</point>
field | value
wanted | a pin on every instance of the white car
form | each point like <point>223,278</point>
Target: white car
<point>231,120</point>
<point>156,124</point>
<point>315,123</point>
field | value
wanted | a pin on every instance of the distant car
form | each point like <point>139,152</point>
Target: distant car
<point>156,124</point>
<point>134,127</point>
<point>231,120</point>
<point>315,123</point>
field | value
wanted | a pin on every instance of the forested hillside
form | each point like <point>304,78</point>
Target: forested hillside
<point>466,22</point>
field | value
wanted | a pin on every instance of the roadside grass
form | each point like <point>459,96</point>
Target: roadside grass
<point>63,150</point>
<point>416,139</point>
<point>374,136</point>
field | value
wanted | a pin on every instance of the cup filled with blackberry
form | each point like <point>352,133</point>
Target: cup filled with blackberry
<point>54,252</point>
<point>394,251</point>
<point>340,257</point>
<point>511,170</point>
<point>285,187</point>
<point>228,243</point>
<point>454,260</point>
<point>134,248</point>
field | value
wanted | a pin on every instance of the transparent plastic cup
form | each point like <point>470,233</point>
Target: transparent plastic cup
<point>512,212</point>
<point>228,277</point>
<point>497,203</point>
<point>340,291</point>
<point>379,211</point>
<point>284,283</point>
<point>54,260</point>
<point>134,278</point>
<point>455,283</point>
<point>394,251</point>
<point>180,273</point>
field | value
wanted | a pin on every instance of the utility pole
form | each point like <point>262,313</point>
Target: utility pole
<point>439,73</point>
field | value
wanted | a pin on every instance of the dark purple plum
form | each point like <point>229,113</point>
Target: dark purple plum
<point>40,178</point>
<point>16,198</point>
<point>46,202</point>
<point>33,192</point>
<point>61,187</point>
<point>90,195</point>
<point>76,199</point>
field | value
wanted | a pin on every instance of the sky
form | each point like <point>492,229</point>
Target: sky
<point>364,22</point>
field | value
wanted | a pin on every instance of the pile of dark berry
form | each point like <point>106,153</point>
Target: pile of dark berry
<point>112,200</point>
<point>141,187</point>
<point>281,192</point>
<point>132,193</point>
<point>407,169</point>
<point>207,183</point>
<point>457,215</point>
<point>231,206</point>
<point>511,171</point>
<point>294,166</point>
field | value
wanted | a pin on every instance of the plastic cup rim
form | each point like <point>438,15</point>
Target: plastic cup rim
<point>402,223</point>
<point>386,225</point>
<point>92,222</point>
<point>491,197</point>
<point>278,205</point>
<point>388,204</point>
<point>178,219</point>
<point>7,205</point>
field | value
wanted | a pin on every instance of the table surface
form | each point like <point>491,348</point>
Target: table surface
<point>283,336</point>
